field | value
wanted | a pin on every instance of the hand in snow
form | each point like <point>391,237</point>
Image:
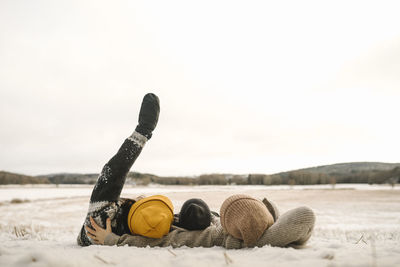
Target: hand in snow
<point>98,234</point>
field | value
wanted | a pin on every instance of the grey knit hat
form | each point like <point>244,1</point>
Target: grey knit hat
<point>245,218</point>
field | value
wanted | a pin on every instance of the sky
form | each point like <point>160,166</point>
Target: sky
<point>245,86</point>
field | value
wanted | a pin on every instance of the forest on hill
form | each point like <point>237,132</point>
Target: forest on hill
<point>356,172</point>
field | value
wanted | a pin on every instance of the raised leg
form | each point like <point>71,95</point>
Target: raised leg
<point>111,180</point>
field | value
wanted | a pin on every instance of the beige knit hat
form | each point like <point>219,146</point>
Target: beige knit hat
<point>245,218</point>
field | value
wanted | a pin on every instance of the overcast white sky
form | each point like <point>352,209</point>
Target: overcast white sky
<point>245,86</point>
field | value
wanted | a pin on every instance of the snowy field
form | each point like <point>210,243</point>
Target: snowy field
<point>357,225</point>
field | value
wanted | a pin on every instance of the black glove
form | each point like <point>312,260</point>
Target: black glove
<point>148,116</point>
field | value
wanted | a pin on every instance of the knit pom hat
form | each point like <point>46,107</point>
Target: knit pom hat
<point>194,215</point>
<point>151,216</point>
<point>245,218</point>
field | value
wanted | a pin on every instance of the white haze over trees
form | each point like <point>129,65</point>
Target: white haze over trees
<point>245,86</point>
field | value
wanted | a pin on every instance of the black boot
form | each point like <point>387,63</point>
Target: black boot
<point>148,115</point>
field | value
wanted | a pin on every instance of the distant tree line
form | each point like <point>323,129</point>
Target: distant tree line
<point>13,178</point>
<point>299,177</point>
<point>68,178</point>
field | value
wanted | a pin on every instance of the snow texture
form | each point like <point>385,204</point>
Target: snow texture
<point>357,225</point>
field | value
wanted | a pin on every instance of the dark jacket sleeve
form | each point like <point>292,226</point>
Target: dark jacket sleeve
<point>112,177</point>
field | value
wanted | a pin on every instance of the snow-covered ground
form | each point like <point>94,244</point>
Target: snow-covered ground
<point>357,225</point>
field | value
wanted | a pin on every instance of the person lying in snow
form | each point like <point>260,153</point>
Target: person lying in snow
<point>245,221</point>
<point>105,201</point>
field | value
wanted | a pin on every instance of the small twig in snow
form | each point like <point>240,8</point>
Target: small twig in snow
<point>19,232</point>
<point>22,232</point>
<point>170,251</point>
<point>102,260</point>
<point>361,239</point>
<point>15,231</point>
<point>227,258</point>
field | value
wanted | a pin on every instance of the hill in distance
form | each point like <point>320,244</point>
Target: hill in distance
<point>15,178</point>
<point>359,172</point>
<point>350,167</point>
